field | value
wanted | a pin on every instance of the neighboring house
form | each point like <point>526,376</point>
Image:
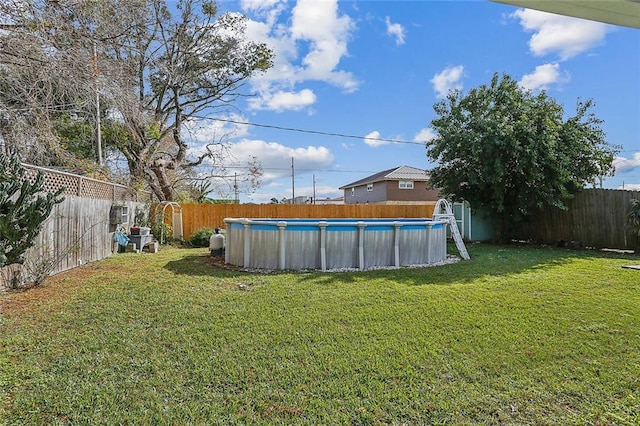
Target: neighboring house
<point>335,201</point>
<point>301,199</point>
<point>400,185</point>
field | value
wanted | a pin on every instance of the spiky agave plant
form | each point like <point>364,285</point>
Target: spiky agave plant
<point>23,209</point>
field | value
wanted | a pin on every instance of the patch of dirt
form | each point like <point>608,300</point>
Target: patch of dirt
<point>218,262</point>
<point>52,293</point>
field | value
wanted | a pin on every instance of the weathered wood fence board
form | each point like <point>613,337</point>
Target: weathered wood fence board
<point>78,230</point>
<point>198,216</point>
<point>595,218</point>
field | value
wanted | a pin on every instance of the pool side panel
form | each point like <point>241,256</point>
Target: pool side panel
<point>264,248</point>
<point>348,244</point>
<point>303,248</point>
<point>438,248</point>
<point>342,247</point>
<point>234,250</point>
<point>378,247</point>
<point>413,246</point>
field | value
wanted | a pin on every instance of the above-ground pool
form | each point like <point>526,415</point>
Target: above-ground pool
<point>328,244</point>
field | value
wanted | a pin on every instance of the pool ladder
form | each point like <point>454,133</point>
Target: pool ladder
<point>448,216</point>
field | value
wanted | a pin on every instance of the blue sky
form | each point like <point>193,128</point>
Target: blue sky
<point>374,69</point>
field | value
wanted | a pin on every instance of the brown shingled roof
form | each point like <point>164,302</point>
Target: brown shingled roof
<point>397,173</point>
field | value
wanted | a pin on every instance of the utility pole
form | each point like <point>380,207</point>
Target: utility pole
<point>314,189</point>
<point>98,125</point>
<point>235,187</point>
<point>293,183</point>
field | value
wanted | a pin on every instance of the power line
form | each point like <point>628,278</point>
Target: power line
<point>315,132</point>
<point>64,108</point>
<point>288,169</point>
<point>324,133</point>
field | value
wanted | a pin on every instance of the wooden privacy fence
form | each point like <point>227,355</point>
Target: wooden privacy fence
<point>79,229</point>
<point>198,216</point>
<point>595,218</point>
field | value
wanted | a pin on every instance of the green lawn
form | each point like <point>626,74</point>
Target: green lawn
<point>518,335</point>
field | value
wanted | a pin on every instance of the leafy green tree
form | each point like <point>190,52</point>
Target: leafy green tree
<point>156,65</point>
<point>23,209</point>
<point>183,62</point>
<point>76,135</point>
<point>511,153</point>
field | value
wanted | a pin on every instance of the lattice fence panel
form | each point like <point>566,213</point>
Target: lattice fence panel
<point>55,181</point>
<point>95,189</point>
<point>81,186</point>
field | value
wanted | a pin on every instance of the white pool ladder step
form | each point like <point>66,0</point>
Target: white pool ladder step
<point>444,205</point>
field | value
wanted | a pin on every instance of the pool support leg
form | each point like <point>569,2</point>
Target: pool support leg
<point>282,244</point>
<point>323,245</point>
<point>361,226</point>
<point>247,244</point>
<point>396,244</point>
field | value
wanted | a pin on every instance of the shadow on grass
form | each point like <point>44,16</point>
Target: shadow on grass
<point>486,260</point>
<point>203,265</point>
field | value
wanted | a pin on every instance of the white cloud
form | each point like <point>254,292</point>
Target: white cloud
<point>563,35</point>
<point>424,135</point>
<point>322,191</point>
<point>278,38</point>
<point>448,79</point>
<point>258,5</point>
<point>543,76</point>
<point>371,139</point>
<point>275,158</point>
<point>308,46</point>
<point>326,191</point>
<point>279,191</point>
<point>210,130</point>
<point>395,30</point>
<point>275,161</point>
<point>622,164</point>
<point>630,187</point>
<point>281,101</point>
<point>318,22</point>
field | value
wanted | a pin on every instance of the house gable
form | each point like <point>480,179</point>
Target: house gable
<point>400,184</point>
